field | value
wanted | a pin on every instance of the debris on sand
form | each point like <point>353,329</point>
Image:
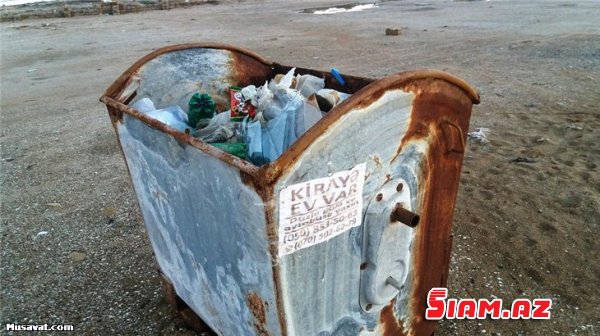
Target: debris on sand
<point>575,127</point>
<point>480,135</point>
<point>522,160</point>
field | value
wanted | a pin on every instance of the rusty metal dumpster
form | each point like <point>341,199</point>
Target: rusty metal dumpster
<point>243,248</point>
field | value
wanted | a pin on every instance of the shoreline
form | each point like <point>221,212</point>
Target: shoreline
<point>72,8</point>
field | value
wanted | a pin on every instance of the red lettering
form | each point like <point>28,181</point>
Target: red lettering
<point>451,310</point>
<point>467,308</point>
<point>521,308</point>
<point>541,310</point>
<point>486,307</point>
<point>436,304</point>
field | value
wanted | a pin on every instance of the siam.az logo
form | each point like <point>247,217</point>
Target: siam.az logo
<point>440,307</point>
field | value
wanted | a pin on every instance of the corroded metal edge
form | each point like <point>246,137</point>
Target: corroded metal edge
<point>438,193</point>
<point>360,99</point>
<point>181,309</point>
<point>441,114</point>
<point>119,84</point>
<point>273,170</point>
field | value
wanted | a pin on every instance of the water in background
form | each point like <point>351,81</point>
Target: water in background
<point>20,2</point>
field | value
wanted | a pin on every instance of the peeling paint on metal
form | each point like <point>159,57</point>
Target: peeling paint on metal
<point>330,271</point>
<point>171,79</point>
<point>193,212</point>
<point>212,218</point>
<point>258,309</point>
<point>391,326</point>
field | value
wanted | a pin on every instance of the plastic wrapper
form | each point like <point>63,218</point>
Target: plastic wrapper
<point>274,116</point>
<point>219,129</point>
<point>241,106</point>
<point>308,116</point>
<point>172,116</point>
<point>308,85</point>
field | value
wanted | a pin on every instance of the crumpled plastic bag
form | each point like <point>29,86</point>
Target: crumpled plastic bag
<point>267,142</point>
<point>283,114</point>
<point>172,116</point>
<point>308,85</point>
<point>144,105</point>
<point>333,96</point>
<point>250,93</point>
<point>219,129</point>
<point>308,115</point>
<point>286,107</point>
<point>277,97</point>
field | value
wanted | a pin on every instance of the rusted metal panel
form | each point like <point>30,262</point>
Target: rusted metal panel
<point>213,218</point>
<point>400,130</point>
<point>207,228</point>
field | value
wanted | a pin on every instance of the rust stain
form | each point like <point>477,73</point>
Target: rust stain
<point>364,97</point>
<point>249,180</point>
<point>437,104</point>
<point>192,320</point>
<point>243,165</point>
<point>247,70</point>
<point>169,290</point>
<point>453,137</point>
<point>118,86</point>
<point>267,194</point>
<point>257,307</point>
<point>446,267</point>
<point>377,161</point>
<point>441,112</point>
<point>181,308</point>
<point>391,325</point>
<point>115,115</point>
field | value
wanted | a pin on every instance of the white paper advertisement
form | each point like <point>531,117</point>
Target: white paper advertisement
<point>315,211</point>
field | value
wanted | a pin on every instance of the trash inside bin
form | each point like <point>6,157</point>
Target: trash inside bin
<point>260,123</point>
<point>293,201</point>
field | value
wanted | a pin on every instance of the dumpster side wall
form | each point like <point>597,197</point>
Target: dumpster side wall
<point>207,229</point>
<point>172,78</point>
<point>321,284</point>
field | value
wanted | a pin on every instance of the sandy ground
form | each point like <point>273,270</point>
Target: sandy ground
<point>522,229</point>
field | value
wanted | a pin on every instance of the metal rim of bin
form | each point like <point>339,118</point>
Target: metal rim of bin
<point>268,174</point>
<point>274,169</point>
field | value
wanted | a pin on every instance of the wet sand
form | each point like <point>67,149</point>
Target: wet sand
<point>527,216</point>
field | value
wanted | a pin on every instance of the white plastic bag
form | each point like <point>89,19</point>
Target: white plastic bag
<point>172,116</point>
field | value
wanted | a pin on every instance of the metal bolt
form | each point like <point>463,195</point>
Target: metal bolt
<point>394,283</point>
<point>379,197</point>
<point>399,214</point>
<point>399,187</point>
